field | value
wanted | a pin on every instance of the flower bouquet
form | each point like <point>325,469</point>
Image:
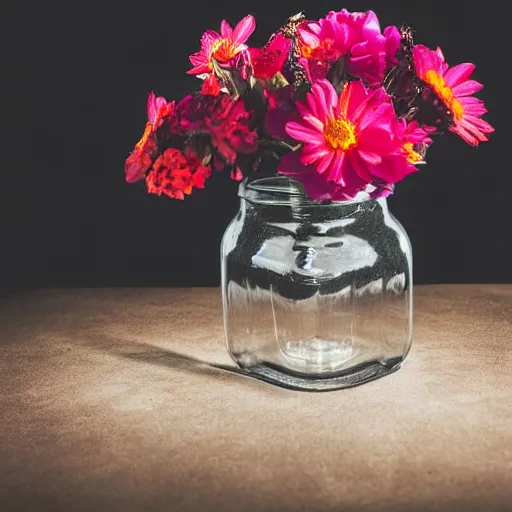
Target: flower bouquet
<point>319,125</point>
<point>336,104</point>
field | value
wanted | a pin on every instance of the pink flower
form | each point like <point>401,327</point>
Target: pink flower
<point>222,47</point>
<point>270,59</point>
<point>142,156</point>
<point>415,139</point>
<point>455,89</point>
<point>348,141</point>
<point>315,185</point>
<point>356,35</point>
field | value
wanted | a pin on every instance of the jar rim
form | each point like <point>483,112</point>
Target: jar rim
<point>284,191</point>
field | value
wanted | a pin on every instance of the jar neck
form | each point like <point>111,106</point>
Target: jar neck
<point>283,200</point>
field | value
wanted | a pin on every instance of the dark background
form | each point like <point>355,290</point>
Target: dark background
<point>78,75</point>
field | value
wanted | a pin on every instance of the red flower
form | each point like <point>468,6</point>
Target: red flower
<point>224,120</point>
<point>142,156</point>
<point>194,109</point>
<point>270,59</point>
<point>211,86</point>
<point>176,174</point>
<point>230,132</point>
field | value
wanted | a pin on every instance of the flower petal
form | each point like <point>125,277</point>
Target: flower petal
<point>393,38</point>
<point>151,108</point>
<point>458,74</point>
<point>473,106</point>
<point>314,122</point>
<point>197,58</point>
<point>371,26</point>
<point>312,105</point>
<point>335,172</point>
<point>324,163</point>
<point>302,133</point>
<point>462,132</point>
<point>370,158</point>
<point>225,30</point>
<point>313,152</point>
<point>353,95</point>
<point>201,69</point>
<point>467,88</point>
<point>426,59</point>
<point>331,96</point>
<point>377,139</point>
<point>480,124</point>
<point>324,94</point>
<point>308,38</point>
<point>244,29</point>
<point>393,168</point>
<point>382,115</point>
<point>207,40</point>
<point>359,166</point>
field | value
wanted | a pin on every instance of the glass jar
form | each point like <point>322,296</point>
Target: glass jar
<point>316,296</point>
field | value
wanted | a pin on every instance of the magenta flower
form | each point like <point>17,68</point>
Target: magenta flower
<point>455,89</point>
<point>415,140</point>
<point>142,156</point>
<point>222,47</point>
<point>350,141</point>
<point>356,35</point>
<point>315,185</point>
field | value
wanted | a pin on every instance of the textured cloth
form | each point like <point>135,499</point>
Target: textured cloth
<point>110,400</point>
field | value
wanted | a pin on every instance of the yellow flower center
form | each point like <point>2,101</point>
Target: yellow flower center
<point>413,157</point>
<point>223,50</point>
<point>340,134</point>
<point>439,86</point>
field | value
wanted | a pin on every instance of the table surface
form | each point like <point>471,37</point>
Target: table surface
<point>111,399</point>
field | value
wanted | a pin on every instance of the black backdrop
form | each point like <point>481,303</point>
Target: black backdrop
<point>78,75</point>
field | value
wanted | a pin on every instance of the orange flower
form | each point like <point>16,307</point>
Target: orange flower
<point>145,150</point>
<point>176,174</point>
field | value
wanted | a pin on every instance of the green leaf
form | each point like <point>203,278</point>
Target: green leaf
<point>231,78</point>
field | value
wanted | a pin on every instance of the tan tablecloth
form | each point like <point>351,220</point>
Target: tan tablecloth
<point>108,402</point>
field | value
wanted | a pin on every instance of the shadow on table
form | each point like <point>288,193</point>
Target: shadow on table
<point>151,354</point>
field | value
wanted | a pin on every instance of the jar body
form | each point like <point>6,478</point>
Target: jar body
<point>315,296</point>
